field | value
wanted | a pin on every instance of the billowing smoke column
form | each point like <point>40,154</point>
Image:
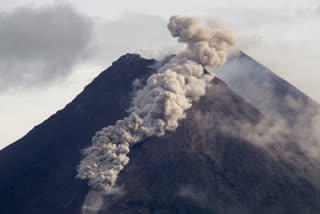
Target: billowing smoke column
<point>161,103</point>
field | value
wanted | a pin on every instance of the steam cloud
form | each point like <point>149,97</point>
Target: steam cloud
<point>161,103</point>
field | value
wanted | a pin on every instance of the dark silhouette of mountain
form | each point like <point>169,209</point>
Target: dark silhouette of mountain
<point>199,168</point>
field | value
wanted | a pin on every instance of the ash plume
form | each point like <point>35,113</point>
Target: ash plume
<point>160,104</point>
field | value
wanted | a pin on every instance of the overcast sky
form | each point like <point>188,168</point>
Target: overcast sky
<point>49,50</point>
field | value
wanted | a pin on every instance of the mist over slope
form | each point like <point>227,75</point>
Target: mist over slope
<point>199,168</point>
<point>265,90</point>
<point>292,113</point>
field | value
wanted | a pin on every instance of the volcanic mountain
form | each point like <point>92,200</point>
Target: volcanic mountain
<point>201,167</point>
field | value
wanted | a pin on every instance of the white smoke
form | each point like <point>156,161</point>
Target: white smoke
<point>161,103</point>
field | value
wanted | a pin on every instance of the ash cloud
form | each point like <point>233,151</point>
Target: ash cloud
<point>40,44</point>
<point>161,103</point>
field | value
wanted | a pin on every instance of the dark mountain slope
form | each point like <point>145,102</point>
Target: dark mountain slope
<point>38,171</point>
<point>199,168</point>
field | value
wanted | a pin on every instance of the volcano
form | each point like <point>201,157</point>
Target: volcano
<point>198,168</point>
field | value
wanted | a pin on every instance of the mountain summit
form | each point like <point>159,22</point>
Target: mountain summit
<point>201,167</point>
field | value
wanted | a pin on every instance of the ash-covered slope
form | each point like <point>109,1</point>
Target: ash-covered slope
<point>199,168</point>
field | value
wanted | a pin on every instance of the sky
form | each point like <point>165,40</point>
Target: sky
<point>50,50</point>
